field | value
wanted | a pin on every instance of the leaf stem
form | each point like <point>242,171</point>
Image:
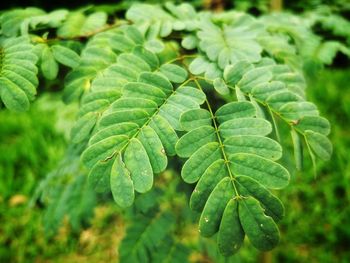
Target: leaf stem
<point>220,141</point>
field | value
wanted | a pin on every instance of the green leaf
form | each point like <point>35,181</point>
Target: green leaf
<point>298,150</point>
<point>134,34</point>
<point>133,62</point>
<point>195,94</point>
<point>49,66</point>
<point>154,149</point>
<point>235,110</point>
<point>320,144</point>
<point>220,86</point>
<point>13,97</point>
<point>124,128</point>
<point>195,139</point>
<point>211,177</point>
<point>83,127</point>
<point>314,123</point>
<point>147,56</point>
<point>122,187</point>
<point>121,43</point>
<point>99,176</point>
<point>278,99</point>
<point>245,126</point>
<point>231,234</point>
<point>174,72</point>
<point>214,208</point>
<point>195,118</point>
<point>137,162</point>
<point>233,73</point>
<point>166,133</point>
<point>266,172</point>
<point>198,66</point>
<point>157,80</point>
<point>65,56</point>
<point>96,106</point>
<point>143,90</point>
<point>133,115</point>
<point>155,45</point>
<point>110,95</point>
<point>103,150</point>
<point>260,229</point>
<point>263,90</point>
<point>297,110</point>
<point>272,205</point>
<point>253,78</point>
<point>124,104</point>
<point>189,42</point>
<point>259,145</point>
<point>196,165</point>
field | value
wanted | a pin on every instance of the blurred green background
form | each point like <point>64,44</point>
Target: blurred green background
<point>317,223</point>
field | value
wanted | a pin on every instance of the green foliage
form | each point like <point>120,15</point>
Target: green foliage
<point>170,81</point>
<point>18,73</point>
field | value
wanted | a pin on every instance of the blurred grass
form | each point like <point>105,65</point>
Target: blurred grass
<point>316,227</point>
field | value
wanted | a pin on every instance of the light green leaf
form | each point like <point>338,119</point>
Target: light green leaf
<point>263,90</point>
<point>220,86</point>
<point>157,80</point>
<point>13,97</point>
<point>320,144</point>
<point>143,90</point>
<point>233,73</point>
<point>214,208</point>
<point>133,62</point>
<point>199,65</point>
<point>211,177</point>
<point>124,128</point>
<point>298,150</point>
<point>133,115</point>
<point>196,165</point>
<point>154,149</point>
<point>49,66</point>
<point>124,104</point>
<point>189,42</point>
<point>231,234</point>
<point>245,126</point>
<point>314,123</point>
<point>103,150</point>
<point>195,118</point>
<point>83,127</point>
<point>155,45</point>
<point>96,107</point>
<point>134,34</point>
<point>99,176</point>
<point>297,110</point>
<point>253,78</point>
<point>278,99</point>
<point>258,145</point>
<point>194,94</point>
<point>110,95</point>
<point>272,205</point>
<point>166,133</point>
<point>65,56</point>
<point>174,72</point>
<point>121,43</point>
<point>235,110</point>
<point>122,187</point>
<point>147,56</point>
<point>195,139</point>
<point>266,172</point>
<point>137,162</point>
<point>260,229</point>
